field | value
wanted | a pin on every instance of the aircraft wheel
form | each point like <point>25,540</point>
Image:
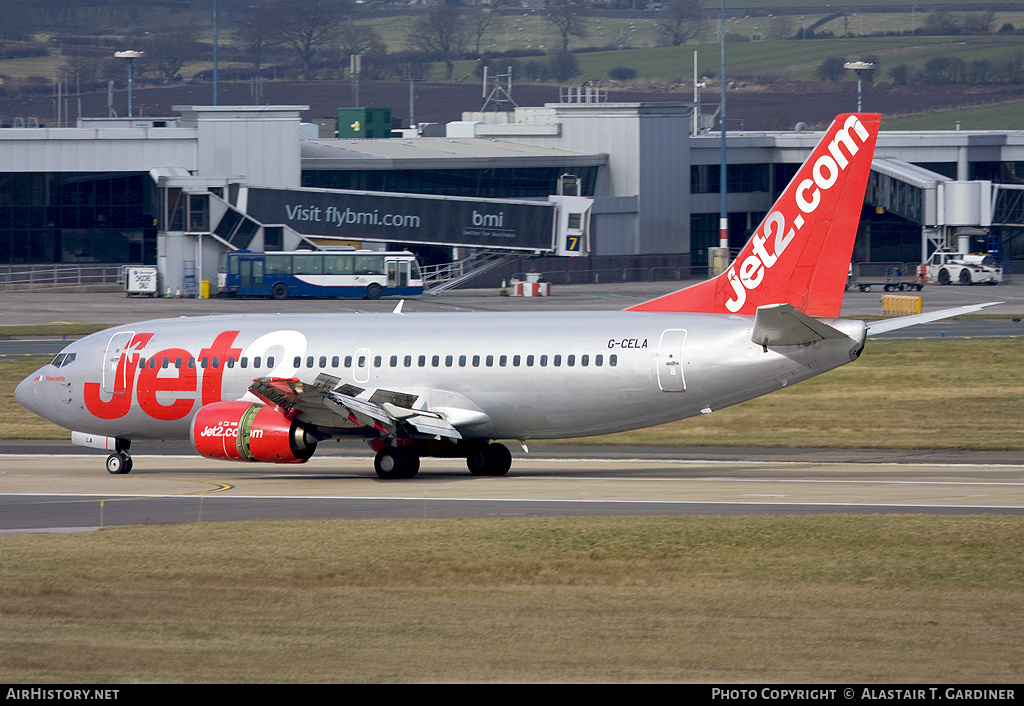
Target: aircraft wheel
<point>490,460</point>
<point>393,463</point>
<point>119,464</point>
<point>965,278</point>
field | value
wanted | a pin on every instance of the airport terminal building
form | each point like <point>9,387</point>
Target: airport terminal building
<point>594,184</point>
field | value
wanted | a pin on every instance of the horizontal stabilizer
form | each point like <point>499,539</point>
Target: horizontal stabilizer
<point>885,325</point>
<point>783,325</point>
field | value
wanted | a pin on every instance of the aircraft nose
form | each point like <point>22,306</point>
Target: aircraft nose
<point>29,393</point>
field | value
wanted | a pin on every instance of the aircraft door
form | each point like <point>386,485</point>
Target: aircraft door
<point>361,369</point>
<point>670,360</point>
<point>115,375</point>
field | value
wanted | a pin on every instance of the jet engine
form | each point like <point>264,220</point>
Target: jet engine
<point>247,431</point>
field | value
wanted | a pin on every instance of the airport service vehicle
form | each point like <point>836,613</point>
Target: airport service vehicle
<point>948,267</point>
<point>271,387</point>
<point>365,274</point>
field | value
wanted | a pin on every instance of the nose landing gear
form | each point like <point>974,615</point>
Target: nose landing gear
<point>119,463</point>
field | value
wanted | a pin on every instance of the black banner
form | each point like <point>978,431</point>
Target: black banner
<point>414,219</point>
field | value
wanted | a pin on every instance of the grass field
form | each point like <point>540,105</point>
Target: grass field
<point>830,599</point>
<point>887,399</point>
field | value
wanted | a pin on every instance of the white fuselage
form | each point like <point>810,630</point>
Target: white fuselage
<point>509,375</point>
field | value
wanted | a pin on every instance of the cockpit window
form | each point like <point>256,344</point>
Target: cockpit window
<point>63,360</point>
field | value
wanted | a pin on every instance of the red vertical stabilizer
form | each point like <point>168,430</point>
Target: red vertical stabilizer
<point>800,254</point>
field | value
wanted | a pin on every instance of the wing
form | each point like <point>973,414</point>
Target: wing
<point>328,404</point>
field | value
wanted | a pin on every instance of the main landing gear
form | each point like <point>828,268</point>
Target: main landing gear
<point>401,462</point>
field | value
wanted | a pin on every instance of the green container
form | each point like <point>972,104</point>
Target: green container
<point>364,122</point>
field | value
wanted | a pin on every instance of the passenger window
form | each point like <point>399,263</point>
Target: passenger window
<point>503,361</point>
<point>448,360</point>
<point>613,360</point>
<point>435,361</point>
<point>543,361</point>
<point>462,361</point>
<point>529,361</point>
<point>394,361</point>
<point>255,362</point>
<point>515,360</point>
<point>476,361</point>
<point>348,361</point>
<point>152,363</point>
<point>584,360</point>
<point>335,361</point>
<point>570,360</point>
<point>191,362</point>
<point>558,361</point>
<point>177,362</point>
<point>309,361</point>
<point>490,361</point>
<point>422,361</point>
<point>323,361</point>
<point>297,363</point>
<point>244,362</point>
<point>598,360</point>
<point>270,361</point>
<point>408,361</point>
<point>376,361</point>
<point>142,363</point>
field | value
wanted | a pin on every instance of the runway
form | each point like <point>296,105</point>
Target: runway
<point>73,492</point>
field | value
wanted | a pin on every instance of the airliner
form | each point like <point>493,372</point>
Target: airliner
<point>269,388</point>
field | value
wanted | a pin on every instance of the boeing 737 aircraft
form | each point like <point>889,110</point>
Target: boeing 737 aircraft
<point>270,387</point>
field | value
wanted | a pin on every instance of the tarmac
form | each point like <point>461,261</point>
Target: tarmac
<point>39,308</point>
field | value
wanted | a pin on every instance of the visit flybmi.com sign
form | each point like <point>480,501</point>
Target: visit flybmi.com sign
<point>361,215</point>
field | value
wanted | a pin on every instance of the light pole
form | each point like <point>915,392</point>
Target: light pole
<point>131,56</point>
<point>860,67</point>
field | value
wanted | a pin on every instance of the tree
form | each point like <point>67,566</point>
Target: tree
<point>830,69</point>
<point>779,27</point>
<point>358,39</point>
<point>943,70</point>
<point>307,26</point>
<point>901,74</point>
<point>562,65</point>
<point>442,32</point>
<point>565,16</point>
<point>257,33</point>
<point>681,20</point>
<point>479,19</point>
<point>169,48</point>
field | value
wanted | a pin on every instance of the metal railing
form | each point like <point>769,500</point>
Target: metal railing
<point>64,276</point>
<point>440,278</point>
<point>622,274</point>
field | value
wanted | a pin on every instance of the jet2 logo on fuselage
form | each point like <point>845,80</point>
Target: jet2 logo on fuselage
<point>147,381</point>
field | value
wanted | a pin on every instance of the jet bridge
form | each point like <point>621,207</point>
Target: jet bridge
<point>943,207</point>
<point>200,217</point>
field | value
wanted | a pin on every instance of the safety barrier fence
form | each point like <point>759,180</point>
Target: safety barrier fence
<point>620,274</point>
<point>62,276</point>
<point>900,304</point>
